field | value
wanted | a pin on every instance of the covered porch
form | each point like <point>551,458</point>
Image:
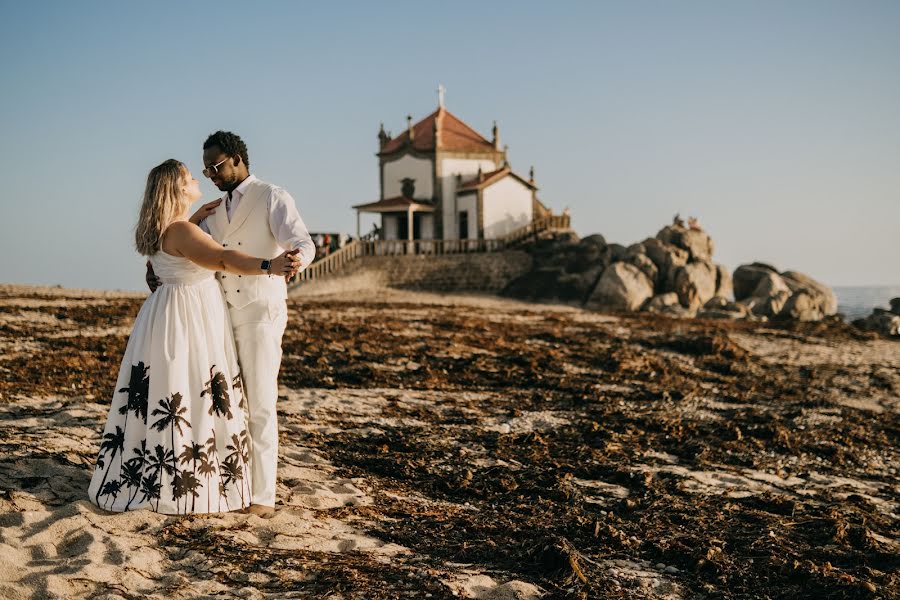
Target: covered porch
<point>402,218</point>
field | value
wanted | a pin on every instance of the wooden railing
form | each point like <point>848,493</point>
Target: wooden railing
<point>369,247</point>
<point>548,223</point>
<point>333,262</point>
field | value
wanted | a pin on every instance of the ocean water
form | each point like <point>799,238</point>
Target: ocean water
<point>858,301</point>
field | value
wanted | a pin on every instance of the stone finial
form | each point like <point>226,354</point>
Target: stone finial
<point>383,136</point>
<point>409,128</point>
<point>441,90</point>
<point>496,132</point>
<point>531,174</point>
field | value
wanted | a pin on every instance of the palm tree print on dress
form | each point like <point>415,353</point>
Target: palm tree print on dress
<point>212,452</point>
<point>232,472</point>
<point>149,473</point>
<point>170,412</point>
<point>134,470</point>
<point>129,471</point>
<point>217,388</point>
<point>237,459</point>
<point>138,391</point>
<point>237,385</point>
<point>192,453</point>
<point>114,443</point>
<point>207,469</point>
<point>157,461</point>
<point>111,488</point>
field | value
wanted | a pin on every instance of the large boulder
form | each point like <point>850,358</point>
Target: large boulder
<point>642,262</point>
<point>881,321</point>
<point>575,287</point>
<point>801,306</point>
<point>593,240</point>
<point>634,250</point>
<point>767,306</point>
<point>621,287</point>
<point>613,253</point>
<point>661,302</point>
<point>587,254</point>
<point>696,242</point>
<point>667,258</point>
<point>746,278</point>
<point>695,283</point>
<point>769,285</point>
<point>720,307</point>
<point>723,282</point>
<point>822,295</point>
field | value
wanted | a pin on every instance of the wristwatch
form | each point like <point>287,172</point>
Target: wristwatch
<point>266,266</point>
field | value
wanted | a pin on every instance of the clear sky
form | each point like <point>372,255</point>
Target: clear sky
<point>776,123</point>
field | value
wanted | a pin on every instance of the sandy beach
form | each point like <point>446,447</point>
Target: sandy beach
<point>474,447</point>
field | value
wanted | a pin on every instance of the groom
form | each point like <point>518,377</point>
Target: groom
<point>259,219</point>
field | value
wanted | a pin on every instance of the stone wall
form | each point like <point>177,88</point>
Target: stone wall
<point>487,272</point>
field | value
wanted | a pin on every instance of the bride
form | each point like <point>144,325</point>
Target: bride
<point>176,436</point>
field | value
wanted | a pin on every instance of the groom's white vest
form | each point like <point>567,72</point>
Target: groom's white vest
<point>248,232</point>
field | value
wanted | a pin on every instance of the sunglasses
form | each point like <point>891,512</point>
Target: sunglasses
<point>210,171</point>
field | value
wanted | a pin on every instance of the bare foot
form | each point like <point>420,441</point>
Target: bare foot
<point>260,509</point>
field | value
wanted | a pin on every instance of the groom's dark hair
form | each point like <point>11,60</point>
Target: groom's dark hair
<point>230,143</point>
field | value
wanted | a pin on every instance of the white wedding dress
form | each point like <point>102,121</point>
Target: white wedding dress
<point>176,439</point>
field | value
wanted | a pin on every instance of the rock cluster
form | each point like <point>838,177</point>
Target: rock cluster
<point>885,322</point>
<point>671,273</point>
<point>789,295</point>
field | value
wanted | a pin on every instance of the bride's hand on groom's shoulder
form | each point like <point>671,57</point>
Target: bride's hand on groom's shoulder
<point>204,211</point>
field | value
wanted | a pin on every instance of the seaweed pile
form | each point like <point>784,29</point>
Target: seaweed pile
<point>593,456</point>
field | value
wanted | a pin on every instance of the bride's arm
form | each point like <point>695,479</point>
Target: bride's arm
<point>187,240</point>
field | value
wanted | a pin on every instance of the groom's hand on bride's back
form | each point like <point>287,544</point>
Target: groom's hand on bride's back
<point>153,281</point>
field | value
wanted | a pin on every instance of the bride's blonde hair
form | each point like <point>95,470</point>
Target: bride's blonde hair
<point>163,201</point>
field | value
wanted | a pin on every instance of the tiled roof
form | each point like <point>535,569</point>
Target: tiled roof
<point>397,203</point>
<point>490,178</point>
<point>454,135</point>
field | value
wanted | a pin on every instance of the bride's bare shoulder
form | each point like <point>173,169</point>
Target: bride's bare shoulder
<point>178,234</point>
<point>183,229</point>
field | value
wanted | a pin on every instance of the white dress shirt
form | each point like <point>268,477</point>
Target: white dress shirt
<point>288,228</point>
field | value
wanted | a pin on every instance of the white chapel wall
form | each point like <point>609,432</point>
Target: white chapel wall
<point>469,169</point>
<point>507,206</point>
<point>419,169</point>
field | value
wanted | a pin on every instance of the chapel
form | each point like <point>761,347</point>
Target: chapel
<point>441,179</point>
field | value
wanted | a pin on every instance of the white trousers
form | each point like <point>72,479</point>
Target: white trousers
<point>258,329</point>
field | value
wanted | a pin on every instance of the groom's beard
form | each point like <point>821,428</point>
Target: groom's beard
<point>229,186</point>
